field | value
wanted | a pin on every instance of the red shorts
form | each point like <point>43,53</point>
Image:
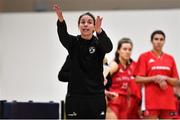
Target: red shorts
<point>177,109</point>
<point>134,110</point>
<point>119,106</point>
<point>162,114</point>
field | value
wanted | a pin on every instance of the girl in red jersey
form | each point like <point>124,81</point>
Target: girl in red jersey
<point>157,71</point>
<point>123,95</point>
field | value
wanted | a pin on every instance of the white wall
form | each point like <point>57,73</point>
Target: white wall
<point>32,57</point>
<point>31,54</point>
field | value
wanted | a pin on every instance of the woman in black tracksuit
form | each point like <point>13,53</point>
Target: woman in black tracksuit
<point>85,96</point>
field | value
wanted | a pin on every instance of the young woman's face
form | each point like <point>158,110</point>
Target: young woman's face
<point>158,42</point>
<point>86,25</point>
<point>125,51</point>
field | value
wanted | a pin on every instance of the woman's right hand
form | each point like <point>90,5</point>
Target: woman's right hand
<point>161,80</point>
<point>111,95</point>
<point>163,85</point>
<point>58,11</point>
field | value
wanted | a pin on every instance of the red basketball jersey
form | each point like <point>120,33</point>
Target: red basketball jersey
<point>150,65</point>
<point>123,81</point>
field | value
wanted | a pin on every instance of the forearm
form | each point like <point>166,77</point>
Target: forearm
<point>106,71</point>
<point>178,83</point>
<point>62,29</point>
<point>104,41</point>
<point>144,80</point>
<point>64,36</point>
<point>173,81</point>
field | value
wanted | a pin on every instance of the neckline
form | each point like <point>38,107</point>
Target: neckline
<point>156,56</point>
<point>84,40</point>
<point>123,68</point>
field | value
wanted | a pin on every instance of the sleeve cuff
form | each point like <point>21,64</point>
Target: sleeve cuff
<point>60,23</point>
<point>100,34</point>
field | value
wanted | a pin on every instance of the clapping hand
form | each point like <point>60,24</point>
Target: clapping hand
<point>58,11</point>
<point>98,23</point>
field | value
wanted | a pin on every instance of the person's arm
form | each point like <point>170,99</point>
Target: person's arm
<point>156,79</point>
<point>64,71</point>
<point>58,11</point>
<point>106,71</point>
<point>110,69</point>
<point>113,67</point>
<point>65,38</point>
<point>141,72</point>
<point>178,83</point>
<point>104,41</point>
<point>173,81</point>
<point>144,80</point>
<point>174,78</point>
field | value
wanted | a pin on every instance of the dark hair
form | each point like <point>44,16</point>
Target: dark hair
<point>157,32</point>
<point>122,41</point>
<point>87,13</point>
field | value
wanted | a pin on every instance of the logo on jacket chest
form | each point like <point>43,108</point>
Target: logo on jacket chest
<point>92,49</point>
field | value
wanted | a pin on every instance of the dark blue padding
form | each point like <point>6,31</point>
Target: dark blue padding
<point>30,110</point>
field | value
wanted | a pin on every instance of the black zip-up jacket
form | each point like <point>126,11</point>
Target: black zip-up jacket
<point>63,74</point>
<point>86,56</point>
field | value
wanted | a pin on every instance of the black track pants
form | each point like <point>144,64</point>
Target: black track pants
<point>85,107</point>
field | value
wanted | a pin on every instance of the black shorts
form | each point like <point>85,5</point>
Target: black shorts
<point>85,106</point>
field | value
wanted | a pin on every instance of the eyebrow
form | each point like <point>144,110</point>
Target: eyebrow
<point>88,19</point>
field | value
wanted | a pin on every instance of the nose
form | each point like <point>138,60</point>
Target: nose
<point>128,52</point>
<point>159,40</point>
<point>85,23</point>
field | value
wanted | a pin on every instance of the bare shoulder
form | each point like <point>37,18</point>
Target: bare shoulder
<point>113,67</point>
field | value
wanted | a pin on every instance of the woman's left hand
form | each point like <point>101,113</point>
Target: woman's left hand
<point>163,85</point>
<point>98,23</point>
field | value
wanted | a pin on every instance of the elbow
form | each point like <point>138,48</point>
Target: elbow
<point>110,48</point>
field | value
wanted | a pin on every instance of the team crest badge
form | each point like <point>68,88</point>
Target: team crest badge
<point>92,49</point>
